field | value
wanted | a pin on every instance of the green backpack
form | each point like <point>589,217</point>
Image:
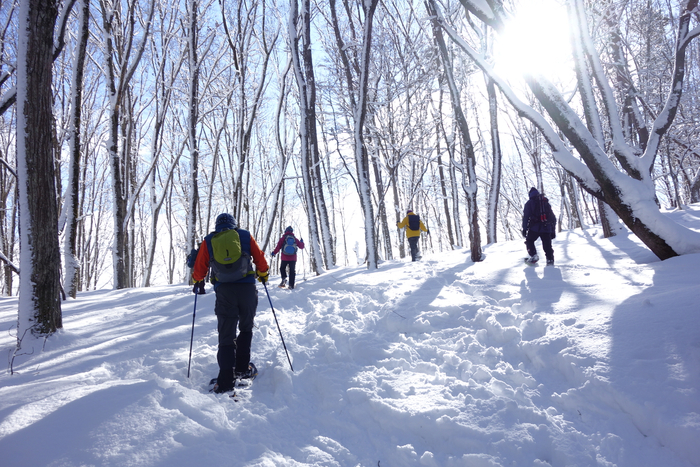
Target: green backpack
<point>228,260</point>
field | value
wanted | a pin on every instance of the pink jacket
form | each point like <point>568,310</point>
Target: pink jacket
<point>280,244</point>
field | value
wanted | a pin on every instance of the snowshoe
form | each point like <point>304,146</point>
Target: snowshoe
<point>283,284</point>
<point>532,260</point>
<point>550,262</point>
<point>250,374</point>
<point>216,389</point>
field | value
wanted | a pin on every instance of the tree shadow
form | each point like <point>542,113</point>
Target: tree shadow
<point>655,357</point>
<point>54,436</point>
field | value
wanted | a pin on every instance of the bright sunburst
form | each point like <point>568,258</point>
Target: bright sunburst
<point>536,41</point>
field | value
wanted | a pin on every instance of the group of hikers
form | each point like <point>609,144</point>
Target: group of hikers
<point>228,254</point>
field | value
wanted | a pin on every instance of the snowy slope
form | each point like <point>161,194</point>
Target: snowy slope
<point>593,362</point>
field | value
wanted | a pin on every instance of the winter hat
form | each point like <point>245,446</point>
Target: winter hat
<point>289,230</point>
<point>533,192</point>
<point>409,211</point>
<point>225,221</point>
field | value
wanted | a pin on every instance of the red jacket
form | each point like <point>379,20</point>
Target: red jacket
<point>280,244</point>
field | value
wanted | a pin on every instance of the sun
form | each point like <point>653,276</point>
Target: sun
<point>536,40</point>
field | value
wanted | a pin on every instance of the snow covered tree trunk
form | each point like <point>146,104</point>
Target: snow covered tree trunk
<point>312,140</point>
<point>357,94</point>
<point>193,118</point>
<point>455,194</point>
<point>39,313</point>
<point>695,188</point>
<point>445,201</point>
<point>381,206</point>
<point>495,188</point>
<point>397,208</point>
<point>118,196</point>
<point>307,124</point>
<point>440,130</point>
<point>361,153</point>
<point>72,202</point>
<point>468,169</point>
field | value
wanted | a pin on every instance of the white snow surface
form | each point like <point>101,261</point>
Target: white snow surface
<point>443,362</point>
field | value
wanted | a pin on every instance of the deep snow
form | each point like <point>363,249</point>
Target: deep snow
<point>595,361</point>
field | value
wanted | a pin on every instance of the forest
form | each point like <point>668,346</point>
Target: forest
<point>127,126</point>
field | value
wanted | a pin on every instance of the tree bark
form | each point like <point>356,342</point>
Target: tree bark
<point>39,301</point>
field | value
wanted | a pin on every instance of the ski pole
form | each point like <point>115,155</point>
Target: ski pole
<point>194,313</point>
<point>303,265</point>
<point>278,326</point>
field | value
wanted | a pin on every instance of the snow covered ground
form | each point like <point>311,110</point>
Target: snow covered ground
<point>593,362</point>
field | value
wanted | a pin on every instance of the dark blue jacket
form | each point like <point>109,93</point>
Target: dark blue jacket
<point>532,214</point>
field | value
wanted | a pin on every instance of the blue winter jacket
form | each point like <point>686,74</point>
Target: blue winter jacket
<point>532,219</point>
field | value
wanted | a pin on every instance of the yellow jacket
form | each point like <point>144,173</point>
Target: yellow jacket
<point>411,233</point>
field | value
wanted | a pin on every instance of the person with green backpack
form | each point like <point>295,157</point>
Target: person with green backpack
<point>288,244</point>
<point>228,255</point>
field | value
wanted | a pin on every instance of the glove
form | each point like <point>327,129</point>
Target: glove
<point>524,233</point>
<point>428,232</point>
<point>272,254</point>
<point>263,276</point>
<point>554,235</point>
<point>198,288</point>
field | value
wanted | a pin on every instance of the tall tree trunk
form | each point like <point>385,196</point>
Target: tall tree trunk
<point>315,172</point>
<point>440,130</point>
<point>192,128</point>
<point>39,311</point>
<point>469,181</point>
<point>118,196</point>
<point>358,103</point>
<point>381,206</point>
<point>72,278</point>
<point>495,189</point>
<point>307,93</point>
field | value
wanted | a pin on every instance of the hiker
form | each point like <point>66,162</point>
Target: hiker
<point>539,222</point>
<point>288,245</point>
<point>230,252</point>
<point>413,226</point>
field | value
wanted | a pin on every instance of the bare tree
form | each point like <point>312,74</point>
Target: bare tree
<point>629,193</point>
<point>358,87</point>
<point>306,82</point>
<point>468,166</point>
<point>119,74</point>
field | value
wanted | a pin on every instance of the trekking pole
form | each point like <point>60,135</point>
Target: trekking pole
<point>194,313</point>
<point>303,263</point>
<point>278,326</point>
